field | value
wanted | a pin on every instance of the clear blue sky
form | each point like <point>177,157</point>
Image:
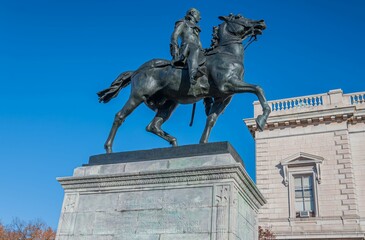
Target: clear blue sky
<point>55,56</point>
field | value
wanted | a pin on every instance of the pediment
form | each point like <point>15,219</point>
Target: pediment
<point>302,158</point>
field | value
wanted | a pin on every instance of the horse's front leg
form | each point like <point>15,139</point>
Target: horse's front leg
<point>242,87</point>
<point>218,107</point>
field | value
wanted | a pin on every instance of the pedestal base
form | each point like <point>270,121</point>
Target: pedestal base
<point>189,192</point>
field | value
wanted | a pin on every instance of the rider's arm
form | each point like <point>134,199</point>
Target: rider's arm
<point>174,45</point>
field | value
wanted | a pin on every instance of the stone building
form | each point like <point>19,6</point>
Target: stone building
<point>310,166</point>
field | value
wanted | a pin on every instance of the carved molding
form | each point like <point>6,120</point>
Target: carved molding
<point>223,193</point>
<point>102,182</point>
<point>70,202</point>
<point>350,114</point>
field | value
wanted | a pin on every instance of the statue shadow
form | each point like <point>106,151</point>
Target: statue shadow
<point>281,172</point>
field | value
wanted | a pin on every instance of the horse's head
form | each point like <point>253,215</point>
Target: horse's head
<point>240,27</point>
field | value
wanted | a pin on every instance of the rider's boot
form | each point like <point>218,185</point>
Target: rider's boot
<point>203,83</point>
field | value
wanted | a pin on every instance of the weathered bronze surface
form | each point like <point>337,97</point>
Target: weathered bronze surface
<point>163,84</point>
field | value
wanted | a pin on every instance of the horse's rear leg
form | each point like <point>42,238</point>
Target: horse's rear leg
<point>127,109</point>
<point>162,115</point>
<point>218,107</point>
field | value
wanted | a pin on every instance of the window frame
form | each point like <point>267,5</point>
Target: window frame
<point>296,173</point>
<point>301,164</point>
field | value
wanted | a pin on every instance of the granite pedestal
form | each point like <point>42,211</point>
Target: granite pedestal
<point>189,192</point>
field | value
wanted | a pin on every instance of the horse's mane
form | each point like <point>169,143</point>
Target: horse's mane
<point>215,37</point>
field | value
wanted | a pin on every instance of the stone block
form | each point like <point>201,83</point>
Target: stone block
<point>340,141</point>
<point>202,236</point>
<point>352,207</point>
<point>79,172</point>
<point>345,170</point>
<point>349,165</point>
<point>84,223</point>
<point>351,196</point>
<point>137,236</point>
<point>112,168</point>
<point>67,223</point>
<point>88,237</point>
<point>343,151</point>
<point>93,170</point>
<point>348,201</point>
<point>346,180</point>
<point>347,191</point>
<point>133,167</point>
<point>340,133</point>
<point>344,137</point>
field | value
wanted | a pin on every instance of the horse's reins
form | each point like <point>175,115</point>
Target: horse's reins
<point>251,40</point>
<point>192,115</point>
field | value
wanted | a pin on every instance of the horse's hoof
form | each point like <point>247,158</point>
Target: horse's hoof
<point>260,121</point>
<point>108,149</point>
<point>174,143</point>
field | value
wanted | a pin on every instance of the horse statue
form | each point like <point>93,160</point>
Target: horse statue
<point>162,86</point>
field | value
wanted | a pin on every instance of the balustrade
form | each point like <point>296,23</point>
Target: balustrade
<point>333,97</point>
<point>300,102</point>
<point>356,98</point>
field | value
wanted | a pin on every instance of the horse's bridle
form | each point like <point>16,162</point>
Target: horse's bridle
<point>239,39</point>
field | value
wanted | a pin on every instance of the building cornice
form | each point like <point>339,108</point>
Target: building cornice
<point>306,118</point>
<point>333,106</point>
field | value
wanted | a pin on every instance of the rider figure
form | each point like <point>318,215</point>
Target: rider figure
<point>188,31</point>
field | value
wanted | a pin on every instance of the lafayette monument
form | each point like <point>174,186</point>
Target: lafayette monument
<point>163,84</point>
<point>193,192</point>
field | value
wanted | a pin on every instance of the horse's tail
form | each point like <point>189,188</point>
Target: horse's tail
<point>123,80</point>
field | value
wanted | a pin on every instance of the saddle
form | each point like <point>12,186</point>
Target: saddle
<point>202,85</point>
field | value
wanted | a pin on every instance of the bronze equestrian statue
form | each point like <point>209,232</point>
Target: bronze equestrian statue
<point>162,86</point>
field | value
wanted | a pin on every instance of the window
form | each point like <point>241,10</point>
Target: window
<point>302,174</point>
<point>304,195</point>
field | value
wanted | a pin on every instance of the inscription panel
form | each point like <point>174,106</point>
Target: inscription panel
<point>145,212</point>
<point>165,199</point>
<point>194,220</point>
<point>115,222</point>
<point>98,202</point>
